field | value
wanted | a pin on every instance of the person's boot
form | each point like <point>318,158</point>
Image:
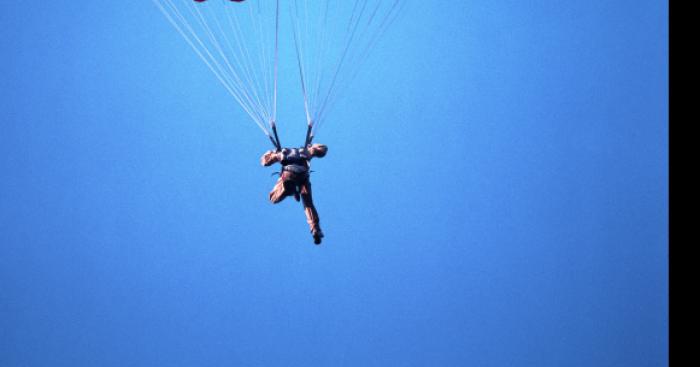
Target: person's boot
<point>318,235</point>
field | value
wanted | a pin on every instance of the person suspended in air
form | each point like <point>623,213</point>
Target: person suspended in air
<point>245,37</point>
<point>294,180</point>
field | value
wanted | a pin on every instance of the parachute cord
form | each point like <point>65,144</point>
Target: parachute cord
<point>263,59</point>
<point>247,61</point>
<point>196,14</point>
<point>295,31</point>
<point>342,60</point>
<point>209,62</point>
<point>233,74</point>
<point>316,90</point>
<point>241,90</point>
<point>274,90</point>
<point>384,24</point>
<point>255,97</point>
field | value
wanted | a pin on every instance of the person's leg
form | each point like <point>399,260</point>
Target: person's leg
<point>282,189</point>
<point>310,211</point>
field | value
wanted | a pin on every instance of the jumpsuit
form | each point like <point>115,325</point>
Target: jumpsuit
<point>294,180</point>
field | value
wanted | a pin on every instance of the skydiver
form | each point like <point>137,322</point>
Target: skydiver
<point>294,180</point>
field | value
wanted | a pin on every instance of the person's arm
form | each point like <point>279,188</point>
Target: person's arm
<point>270,157</point>
<point>318,150</point>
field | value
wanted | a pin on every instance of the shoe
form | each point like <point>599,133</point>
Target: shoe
<point>318,235</point>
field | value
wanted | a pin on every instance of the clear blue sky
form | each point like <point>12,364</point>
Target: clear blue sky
<point>495,194</point>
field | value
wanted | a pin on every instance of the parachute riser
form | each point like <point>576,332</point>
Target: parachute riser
<point>309,136</point>
<point>276,140</point>
<point>274,143</point>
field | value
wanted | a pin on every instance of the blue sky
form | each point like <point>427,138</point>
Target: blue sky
<point>495,194</point>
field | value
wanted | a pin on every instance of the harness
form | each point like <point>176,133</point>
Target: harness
<point>295,161</point>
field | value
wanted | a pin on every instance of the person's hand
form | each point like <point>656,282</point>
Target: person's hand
<point>268,158</point>
<point>318,150</point>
